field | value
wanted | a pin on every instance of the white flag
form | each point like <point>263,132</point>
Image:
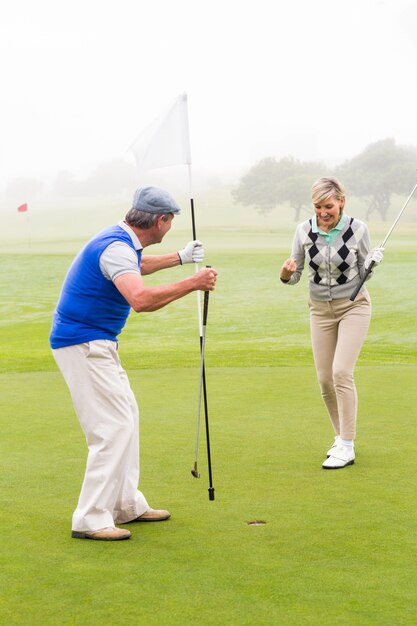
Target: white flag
<point>167,140</point>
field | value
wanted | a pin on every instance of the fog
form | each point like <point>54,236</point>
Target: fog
<point>316,80</point>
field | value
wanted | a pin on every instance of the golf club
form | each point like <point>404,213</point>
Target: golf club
<point>203,393</point>
<point>372,263</point>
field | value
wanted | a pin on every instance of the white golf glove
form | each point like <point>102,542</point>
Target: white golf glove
<point>376,255</point>
<point>192,253</point>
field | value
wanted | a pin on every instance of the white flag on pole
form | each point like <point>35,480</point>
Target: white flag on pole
<point>166,141</point>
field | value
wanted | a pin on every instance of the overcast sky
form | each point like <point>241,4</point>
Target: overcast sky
<point>318,79</point>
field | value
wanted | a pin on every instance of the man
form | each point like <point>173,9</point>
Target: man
<point>102,284</point>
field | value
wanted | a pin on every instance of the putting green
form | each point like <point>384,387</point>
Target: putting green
<point>337,547</point>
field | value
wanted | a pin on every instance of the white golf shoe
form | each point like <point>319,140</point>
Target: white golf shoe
<point>341,456</point>
<point>335,444</point>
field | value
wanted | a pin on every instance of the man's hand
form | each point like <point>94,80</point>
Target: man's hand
<point>143,298</point>
<point>192,253</point>
<point>205,279</point>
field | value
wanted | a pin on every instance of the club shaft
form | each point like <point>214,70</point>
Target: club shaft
<point>201,390</point>
<point>371,265</point>
<point>211,488</point>
<point>398,216</point>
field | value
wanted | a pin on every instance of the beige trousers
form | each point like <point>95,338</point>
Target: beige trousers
<point>338,330</point>
<point>108,413</point>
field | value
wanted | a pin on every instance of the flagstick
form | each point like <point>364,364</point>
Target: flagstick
<point>29,233</point>
<point>200,326</point>
<point>151,149</point>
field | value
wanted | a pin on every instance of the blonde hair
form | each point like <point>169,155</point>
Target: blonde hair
<point>324,188</point>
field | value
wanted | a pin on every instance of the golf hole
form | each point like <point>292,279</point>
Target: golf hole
<point>256,522</point>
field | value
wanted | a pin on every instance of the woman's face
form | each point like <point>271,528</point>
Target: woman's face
<point>328,212</point>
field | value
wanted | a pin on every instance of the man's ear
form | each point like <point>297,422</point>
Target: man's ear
<point>159,220</point>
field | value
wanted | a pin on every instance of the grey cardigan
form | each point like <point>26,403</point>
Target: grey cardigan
<point>336,269</point>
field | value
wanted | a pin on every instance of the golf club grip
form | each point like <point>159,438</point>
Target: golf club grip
<point>205,308</point>
<point>206,301</point>
<point>359,287</point>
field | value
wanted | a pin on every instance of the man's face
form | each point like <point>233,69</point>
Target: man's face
<point>162,226</point>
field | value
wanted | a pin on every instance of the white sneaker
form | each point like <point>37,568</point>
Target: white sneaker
<point>341,456</point>
<point>335,444</point>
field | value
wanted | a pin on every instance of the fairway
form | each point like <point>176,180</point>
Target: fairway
<point>336,548</point>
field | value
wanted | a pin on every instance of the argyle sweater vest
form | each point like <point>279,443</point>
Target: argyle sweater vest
<point>90,306</point>
<point>333,270</point>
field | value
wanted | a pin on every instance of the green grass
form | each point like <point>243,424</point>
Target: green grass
<point>337,547</point>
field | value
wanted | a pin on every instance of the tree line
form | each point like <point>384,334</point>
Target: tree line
<point>380,170</point>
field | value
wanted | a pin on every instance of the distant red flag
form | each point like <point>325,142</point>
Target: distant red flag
<point>22,208</point>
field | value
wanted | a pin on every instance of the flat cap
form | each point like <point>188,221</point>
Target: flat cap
<point>154,200</point>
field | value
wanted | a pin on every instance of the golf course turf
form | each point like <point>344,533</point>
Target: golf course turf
<point>336,547</point>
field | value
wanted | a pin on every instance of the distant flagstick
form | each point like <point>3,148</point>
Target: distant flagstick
<point>23,208</point>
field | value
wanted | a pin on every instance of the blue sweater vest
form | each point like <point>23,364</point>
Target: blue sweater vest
<point>90,306</point>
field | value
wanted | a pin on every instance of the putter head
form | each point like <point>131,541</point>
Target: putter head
<point>194,471</point>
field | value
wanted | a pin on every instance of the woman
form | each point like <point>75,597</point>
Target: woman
<point>336,248</point>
